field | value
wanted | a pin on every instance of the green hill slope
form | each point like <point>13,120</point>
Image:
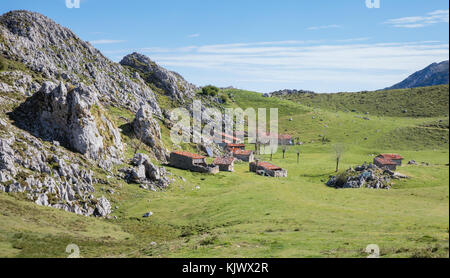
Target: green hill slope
<point>417,102</point>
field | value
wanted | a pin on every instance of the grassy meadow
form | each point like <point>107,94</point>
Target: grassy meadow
<point>241,214</point>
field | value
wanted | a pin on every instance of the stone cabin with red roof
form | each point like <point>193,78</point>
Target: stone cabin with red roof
<point>226,139</point>
<point>226,164</point>
<point>285,139</point>
<point>268,169</point>
<point>244,155</point>
<point>191,161</point>
<point>388,161</point>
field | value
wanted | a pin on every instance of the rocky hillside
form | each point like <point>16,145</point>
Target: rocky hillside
<point>288,92</point>
<point>171,83</point>
<point>57,132</point>
<point>434,74</point>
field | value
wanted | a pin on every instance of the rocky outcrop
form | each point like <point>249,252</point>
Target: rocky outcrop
<point>73,117</point>
<point>147,129</point>
<point>55,52</point>
<point>17,81</point>
<point>46,175</point>
<point>288,92</point>
<point>365,176</point>
<point>103,207</point>
<point>170,82</point>
<point>146,173</point>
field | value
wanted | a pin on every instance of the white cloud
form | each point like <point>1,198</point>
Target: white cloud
<point>324,27</point>
<point>438,16</point>
<point>336,64</point>
<point>333,65</point>
<point>194,36</point>
<point>96,42</point>
<point>355,39</point>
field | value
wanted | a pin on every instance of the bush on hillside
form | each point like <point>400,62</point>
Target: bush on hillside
<point>224,98</point>
<point>210,91</point>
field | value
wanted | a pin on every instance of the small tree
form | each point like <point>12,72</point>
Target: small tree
<point>339,150</point>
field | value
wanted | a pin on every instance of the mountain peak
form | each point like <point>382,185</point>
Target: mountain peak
<point>434,74</point>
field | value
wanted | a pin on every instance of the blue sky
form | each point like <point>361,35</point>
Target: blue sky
<point>321,45</point>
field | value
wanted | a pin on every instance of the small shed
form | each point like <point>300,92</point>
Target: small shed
<point>385,163</point>
<point>244,155</point>
<point>191,161</point>
<point>226,164</point>
<point>223,139</point>
<point>285,139</point>
<point>267,169</point>
<point>396,158</point>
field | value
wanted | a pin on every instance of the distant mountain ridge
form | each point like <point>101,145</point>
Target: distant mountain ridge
<point>434,74</point>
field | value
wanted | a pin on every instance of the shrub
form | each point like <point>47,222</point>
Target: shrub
<point>210,91</point>
<point>341,179</point>
<point>224,98</point>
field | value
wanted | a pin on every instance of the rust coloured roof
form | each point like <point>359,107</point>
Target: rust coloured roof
<point>391,156</point>
<point>190,155</point>
<point>226,138</point>
<point>285,136</point>
<point>236,145</point>
<point>224,160</point>
<point>241,152</point>
<point>385,161</point>
<point>269,166</point>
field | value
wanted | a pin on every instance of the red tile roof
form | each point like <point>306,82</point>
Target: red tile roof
<point>190,155</point>
<point>224,160</point>
<point>285,136</point>
<point>385,161</point>
<point>274,135</point>
<point>269,166</point>
<point>391,156</point>
<point>226,138</point>
<point>236,145</point>
<point>241,152</point>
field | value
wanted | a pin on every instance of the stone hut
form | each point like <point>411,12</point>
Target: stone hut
<point>226,164</point>
<point>226,139</point>
<point>193,162</point>
<point>268,169</point>
<point>388,161</point>
<point>246,156</point>
<point>396,158</point>
<point>285,139</point>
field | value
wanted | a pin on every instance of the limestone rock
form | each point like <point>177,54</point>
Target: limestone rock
<point>146,173</point>
<point>170,82</point>
<point>147,129</point>
<point>73,117</point>
<point>56,52</point>
<point>103,207</point>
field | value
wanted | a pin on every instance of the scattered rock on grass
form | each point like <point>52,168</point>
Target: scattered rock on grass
<point>364,176</point>
<point>148,214</point>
